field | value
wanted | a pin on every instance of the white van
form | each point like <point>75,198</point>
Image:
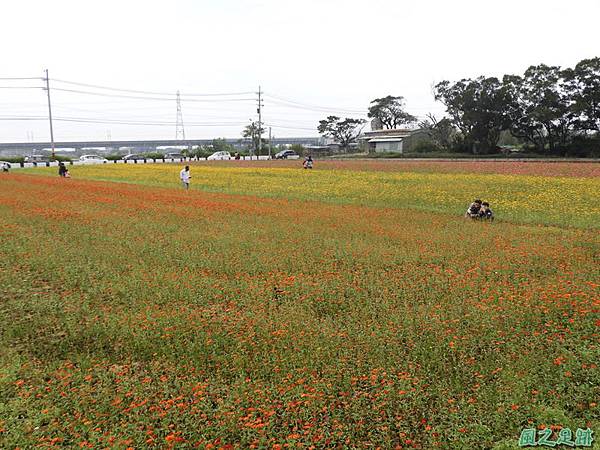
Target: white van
<point>92,159</point>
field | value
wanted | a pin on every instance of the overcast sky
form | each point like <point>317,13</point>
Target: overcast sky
<point>311,57</point>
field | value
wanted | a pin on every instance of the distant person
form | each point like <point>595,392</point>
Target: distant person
<point>486,212</point>
<point>473,210</point>
<point>5,166</point>
<point>185,176</point>
<point>62,169</point>
<point>308,162</point>
<point>237,155</point>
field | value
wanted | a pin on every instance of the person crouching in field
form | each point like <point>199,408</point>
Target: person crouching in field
<point>63,171</point>
<point>473,211</point>
<point>486,213</point>
<point>185,176</point>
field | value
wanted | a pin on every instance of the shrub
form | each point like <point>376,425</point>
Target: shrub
<point>62,158</point>
<point>13,159</point>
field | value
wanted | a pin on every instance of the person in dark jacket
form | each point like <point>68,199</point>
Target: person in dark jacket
<point>62,169</point>
<point>473,211</point>
<point>486,212</point>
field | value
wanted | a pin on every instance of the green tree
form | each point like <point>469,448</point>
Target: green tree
<point>583,85</point>
<point>477,108</point>
<point>389,111</point>
<point>539,108</point>
<point>442,132</point>
<point>342,131</point>
<point>254,132</point>
<point>221,145</point>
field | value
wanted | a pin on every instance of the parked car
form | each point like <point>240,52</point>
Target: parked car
<point>174,156</point>
<point>287,154</point>
<point>132,156</point>
<point>92,159</point>
<point>219,156</point>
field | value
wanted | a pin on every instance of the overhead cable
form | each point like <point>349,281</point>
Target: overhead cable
<point>150,92</point>
<point>100,94</point>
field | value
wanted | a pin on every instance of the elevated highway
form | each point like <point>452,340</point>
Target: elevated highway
<point>141,145</point>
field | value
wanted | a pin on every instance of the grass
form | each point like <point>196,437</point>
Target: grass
<point>139,315</point>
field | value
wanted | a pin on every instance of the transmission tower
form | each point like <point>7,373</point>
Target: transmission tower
<point>179,130</point>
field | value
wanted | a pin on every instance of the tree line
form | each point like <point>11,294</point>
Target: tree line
<point>547,109</point>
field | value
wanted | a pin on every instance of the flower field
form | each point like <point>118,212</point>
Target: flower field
<point>271,307</point>
<point>525,198</point>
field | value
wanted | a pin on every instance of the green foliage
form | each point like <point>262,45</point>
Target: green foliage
<point>62,158</point>
<point>221,145</point>
<point>254,133</point>
<point>154,155</point>
<point>13,159</point>
<point>583,86</point>
<point>550,108</point>
<point>538,109</point>
<point>478,108</point>
<point>425,146</point>
<point>344,132</point>
<point>389,111</point>
<point>441,132</point>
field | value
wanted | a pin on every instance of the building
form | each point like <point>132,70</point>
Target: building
<point>399,140</point>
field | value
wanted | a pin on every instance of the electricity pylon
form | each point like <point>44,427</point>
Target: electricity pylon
<point>179,130</point>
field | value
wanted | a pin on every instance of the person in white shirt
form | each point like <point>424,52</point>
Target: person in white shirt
<point>185,176</point>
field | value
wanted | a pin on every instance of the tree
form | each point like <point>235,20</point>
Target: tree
<point>442,131</point>
<point>253,132</point>
<point>477,108</point>
<point>583,85</point>
<point>221,145</point>
<point>344,132</point>
<point>389,111</point>
<point>539,107</point>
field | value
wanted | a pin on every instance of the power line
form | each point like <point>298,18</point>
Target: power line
<point>158,124</point>
<point>314,107</point>
<point>118,122</point>
<point>18,118</point>
<point>150,92</point>
<point>100,94</point>
<point>290,128</point>
<point>154,114</point>
<point>21,78</point>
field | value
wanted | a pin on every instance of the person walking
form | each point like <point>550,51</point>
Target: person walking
<point>62,169</point>
<point>185,176</point>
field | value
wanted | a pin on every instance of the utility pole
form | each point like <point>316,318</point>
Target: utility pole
<point>270,142</point>
<point>179,130</point>
<point>50,113</point>
<point>259,110</point>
